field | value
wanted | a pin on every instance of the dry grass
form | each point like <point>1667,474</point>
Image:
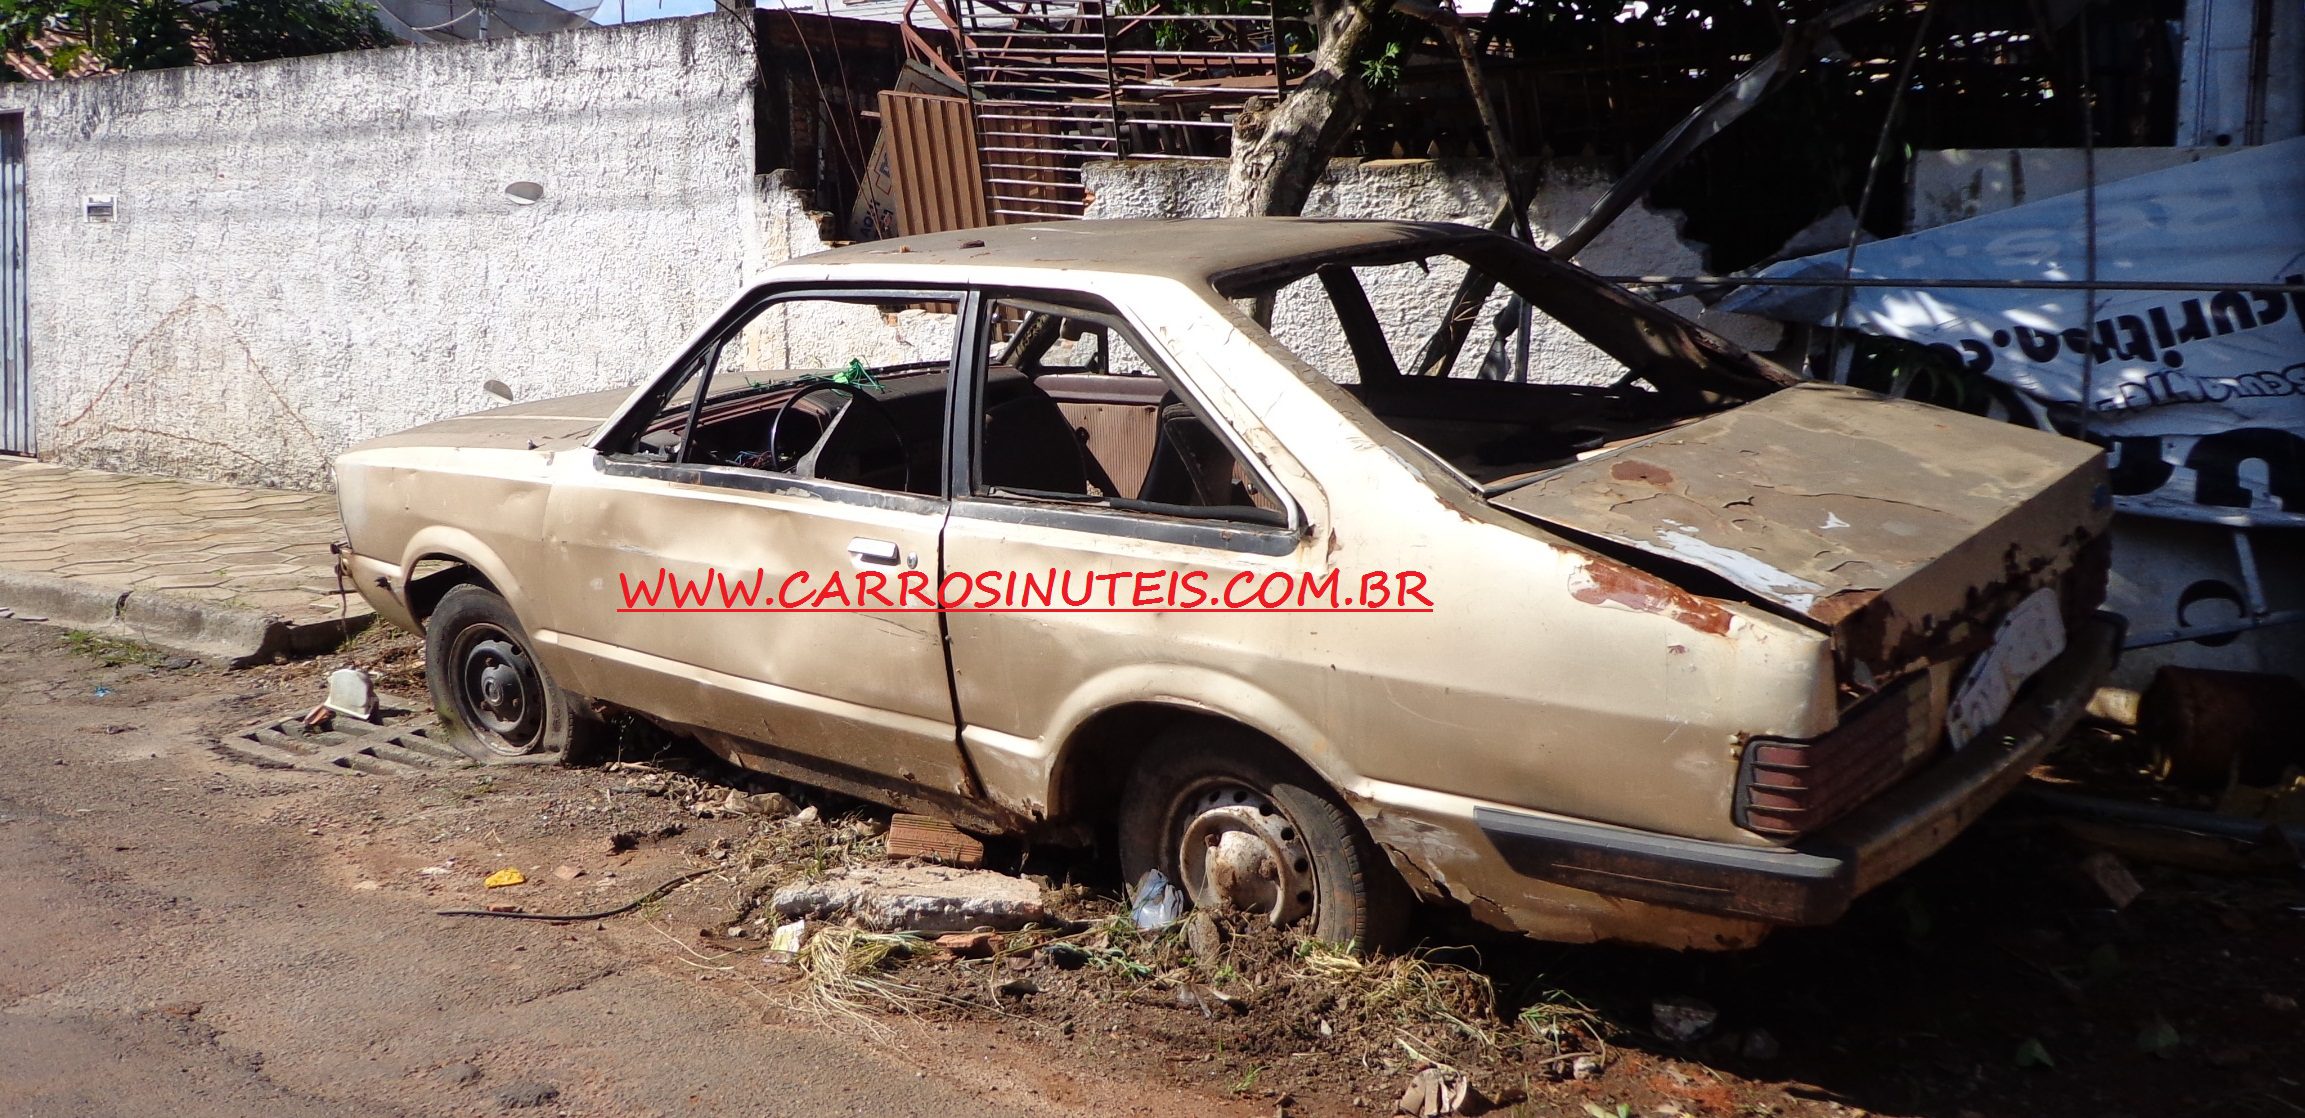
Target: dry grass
<point>1425,1001</point>
<point>844,975</point>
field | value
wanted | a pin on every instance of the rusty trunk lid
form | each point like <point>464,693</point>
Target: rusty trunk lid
<point>1904,529</point>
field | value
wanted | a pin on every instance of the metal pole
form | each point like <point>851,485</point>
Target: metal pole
<point>2205,286</point>
<point>1872,176</point>
<point>2089,233</point>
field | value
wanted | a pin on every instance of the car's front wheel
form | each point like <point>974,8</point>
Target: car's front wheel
<point>486,684</point>
<point>1238,824</point>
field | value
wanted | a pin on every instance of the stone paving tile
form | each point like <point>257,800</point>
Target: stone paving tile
<point>260,548</point>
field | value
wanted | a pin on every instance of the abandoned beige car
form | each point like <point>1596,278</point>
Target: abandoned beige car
<point>1045,530</point>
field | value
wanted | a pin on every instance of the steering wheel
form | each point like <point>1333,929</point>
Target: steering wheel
<point>805,464</point>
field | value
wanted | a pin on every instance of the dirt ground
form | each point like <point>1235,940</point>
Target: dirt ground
<point>192,934</point>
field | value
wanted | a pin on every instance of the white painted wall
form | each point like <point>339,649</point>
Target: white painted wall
<point>315,251</point>
<point>1408,300</point>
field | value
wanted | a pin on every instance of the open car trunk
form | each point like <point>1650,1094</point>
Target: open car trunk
<point>1907,531</point>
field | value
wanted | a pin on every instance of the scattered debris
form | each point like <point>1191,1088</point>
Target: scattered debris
<point>1683,1020</point>
<point>459,1075</point>
<point>567,873</point>
<point>603,914</point>
<point>1203,936</point>
<point>969,945</point>
<point>920,836</point>
<point>1018,988</point>
<point>439,871</point>
<point>625,842</point>
<point>1585,1067</point>
<point>2112,878</point>
<point>768,805</point>
<point>101,691</point>
<point>504,877</point>
<point>926,899</point>
<point>319,720</point>
<point>503,909</point>
<point>1434,1092</point>
<point>1207,999</point>
<point>787,938</point>
<point>2117,705</point>
<point>1154,903</point>
<point>351,693</point>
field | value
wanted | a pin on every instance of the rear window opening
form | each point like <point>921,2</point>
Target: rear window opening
<point>1497,360</point>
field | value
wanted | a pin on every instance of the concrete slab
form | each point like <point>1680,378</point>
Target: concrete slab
<point>927,899</point>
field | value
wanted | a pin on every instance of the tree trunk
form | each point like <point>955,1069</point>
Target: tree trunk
<point>1280,151</point>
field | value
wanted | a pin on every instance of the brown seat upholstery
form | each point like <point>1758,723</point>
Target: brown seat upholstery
<point>1029,444</point>
<point>1190,465</point>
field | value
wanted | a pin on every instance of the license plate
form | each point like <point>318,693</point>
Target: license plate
<point>2029,637</point>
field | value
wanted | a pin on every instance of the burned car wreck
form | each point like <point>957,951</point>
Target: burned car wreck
<point>1673,657</point>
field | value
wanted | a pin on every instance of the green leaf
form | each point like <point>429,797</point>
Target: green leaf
<point>2031,1054</point>
<point>2158,1037</point>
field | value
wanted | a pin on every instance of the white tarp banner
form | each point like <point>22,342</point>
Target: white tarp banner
<point>2199,395</point>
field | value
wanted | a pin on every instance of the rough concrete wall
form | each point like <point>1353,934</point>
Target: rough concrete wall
<point>314,251</point>
<point>1409,300</point>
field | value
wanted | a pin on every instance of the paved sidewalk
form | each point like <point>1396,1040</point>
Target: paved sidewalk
<point>191,565</point>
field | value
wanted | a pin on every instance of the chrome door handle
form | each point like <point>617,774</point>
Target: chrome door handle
<point>882,552</point>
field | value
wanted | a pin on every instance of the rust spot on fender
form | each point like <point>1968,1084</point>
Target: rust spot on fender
<point>1607,581</point>
<point>1635,470</point>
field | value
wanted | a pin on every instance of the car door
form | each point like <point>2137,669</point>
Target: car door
<point>1099,527</point>
<point>696,559</point>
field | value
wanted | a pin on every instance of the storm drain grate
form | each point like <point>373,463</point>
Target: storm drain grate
<point>356,746</point>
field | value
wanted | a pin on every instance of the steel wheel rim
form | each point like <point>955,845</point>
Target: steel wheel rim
<point>1236,849</point>
<point>498,690</point>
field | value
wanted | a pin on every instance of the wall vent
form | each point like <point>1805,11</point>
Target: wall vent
<point>99,207</point>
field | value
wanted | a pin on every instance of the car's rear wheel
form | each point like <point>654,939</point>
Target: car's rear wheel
<point>486,684</point>
<point>1236,823</point>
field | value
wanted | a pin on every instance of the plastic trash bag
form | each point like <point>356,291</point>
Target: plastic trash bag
<point>1155,904</point>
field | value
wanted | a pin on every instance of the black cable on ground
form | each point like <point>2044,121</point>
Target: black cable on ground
<point>604,914</point>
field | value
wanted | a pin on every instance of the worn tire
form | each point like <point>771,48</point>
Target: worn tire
<point>1196,772</point>
<point>472,640</point>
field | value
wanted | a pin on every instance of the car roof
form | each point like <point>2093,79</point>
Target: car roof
<point>1221,252</point>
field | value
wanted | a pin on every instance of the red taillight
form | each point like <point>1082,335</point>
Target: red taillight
<point>1789,788</point>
